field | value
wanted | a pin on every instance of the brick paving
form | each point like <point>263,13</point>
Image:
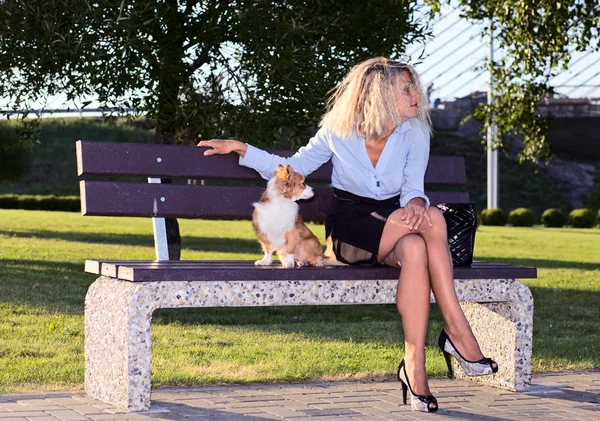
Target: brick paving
<point>553,396</point>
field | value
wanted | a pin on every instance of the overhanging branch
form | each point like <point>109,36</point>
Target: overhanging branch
<point>201,59</point>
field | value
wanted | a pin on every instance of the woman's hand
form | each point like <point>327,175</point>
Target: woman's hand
<point>415,212</point>
<point>223,147</point>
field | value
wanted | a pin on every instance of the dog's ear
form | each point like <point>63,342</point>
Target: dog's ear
<point>291,172</point>
<point>282,172</point>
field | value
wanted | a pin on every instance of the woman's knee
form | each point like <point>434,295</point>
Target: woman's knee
<point>411,249</point>
<point>435,214</point>
<point>438,221</point>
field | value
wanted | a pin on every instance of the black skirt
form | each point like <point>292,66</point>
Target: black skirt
<point>355,224</point>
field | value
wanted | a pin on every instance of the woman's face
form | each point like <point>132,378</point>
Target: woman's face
<point>407,97</point>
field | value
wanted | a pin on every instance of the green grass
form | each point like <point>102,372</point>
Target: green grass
<point>42,290</point>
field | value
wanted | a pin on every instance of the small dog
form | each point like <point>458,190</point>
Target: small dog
<point>279,226</point>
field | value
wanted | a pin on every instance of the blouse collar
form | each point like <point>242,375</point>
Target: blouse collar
<point>404,126</point>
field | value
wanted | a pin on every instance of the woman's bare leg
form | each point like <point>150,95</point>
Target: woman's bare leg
<point>441,275</point>
<point>412,300</point>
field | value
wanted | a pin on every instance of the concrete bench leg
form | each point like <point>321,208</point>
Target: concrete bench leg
<point>118,349</point>
<point>504,331</point>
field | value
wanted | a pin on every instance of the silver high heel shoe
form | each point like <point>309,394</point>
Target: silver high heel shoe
<point>483,367</point>
<point>423,403</point>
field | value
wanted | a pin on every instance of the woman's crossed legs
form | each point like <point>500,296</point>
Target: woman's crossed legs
<point>426,263</point>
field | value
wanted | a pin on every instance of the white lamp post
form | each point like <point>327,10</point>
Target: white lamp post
<point>492,155</point>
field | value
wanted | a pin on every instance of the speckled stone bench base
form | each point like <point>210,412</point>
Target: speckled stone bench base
<point>118,315</point>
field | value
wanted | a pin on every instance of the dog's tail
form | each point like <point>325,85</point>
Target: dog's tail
<point>328,253</point>
<point>330,262</point>
<point>329,256</point>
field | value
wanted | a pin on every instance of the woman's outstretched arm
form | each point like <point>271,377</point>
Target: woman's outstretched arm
<point>223,147</point>
<point>308,158</point>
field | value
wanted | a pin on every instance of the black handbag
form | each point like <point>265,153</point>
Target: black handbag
<point>461,220</point>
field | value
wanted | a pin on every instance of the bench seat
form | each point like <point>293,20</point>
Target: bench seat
<point>208,270</point>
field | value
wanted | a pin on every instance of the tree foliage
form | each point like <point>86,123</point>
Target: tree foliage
<point>539,37</point>
<point>253,69</point>
<point>216,67</point>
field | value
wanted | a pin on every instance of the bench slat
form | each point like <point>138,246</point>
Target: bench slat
<point>93,266</point>
<point>109,198</point>
<point>178,161</point>
<point>142,271</point>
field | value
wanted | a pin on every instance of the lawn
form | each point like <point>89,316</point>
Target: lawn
<point>42,290</point>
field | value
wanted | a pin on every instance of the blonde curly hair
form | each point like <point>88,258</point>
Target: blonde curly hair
<point>366,100</point>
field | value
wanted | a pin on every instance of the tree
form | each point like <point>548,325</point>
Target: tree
<point>245,68</point>
<point>538,38</point>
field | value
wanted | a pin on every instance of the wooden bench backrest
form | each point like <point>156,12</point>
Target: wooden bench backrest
<point>147,161</point>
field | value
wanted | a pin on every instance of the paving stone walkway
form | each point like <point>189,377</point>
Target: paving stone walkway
<point>554,396</point>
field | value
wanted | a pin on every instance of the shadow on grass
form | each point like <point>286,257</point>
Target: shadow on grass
<point>62,286</point>
<point>564,328</point>
<point>558,314</point>
<point>46,285</point>
<point>87,237</point>
<point>236,245</point>
<point>209,244</point>
<point>225,245</point>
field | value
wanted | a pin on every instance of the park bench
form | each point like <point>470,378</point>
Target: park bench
<point>120,303</point>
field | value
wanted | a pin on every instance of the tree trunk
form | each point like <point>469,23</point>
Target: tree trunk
<point>170,71</point>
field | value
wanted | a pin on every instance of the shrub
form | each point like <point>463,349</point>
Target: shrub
<point>581,218</point>
<point>9,201</point>
<point>593,201</point>
<point>494,216</point>
<point>29,202</point>
<point>47,203</point>
<point>14,158</point>
<point>553,218</point>
<point>521,217</point>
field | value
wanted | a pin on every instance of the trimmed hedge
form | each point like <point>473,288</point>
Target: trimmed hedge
<point>494,216</point>
<point>553,218</point>
<point>521,217</point>
<point>46,203</point>
<point>15,158</point>
<point>581,218</point>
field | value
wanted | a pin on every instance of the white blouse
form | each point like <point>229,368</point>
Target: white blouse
<point>400,169</point>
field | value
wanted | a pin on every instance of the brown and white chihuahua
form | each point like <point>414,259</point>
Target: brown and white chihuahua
<point>279,226</point>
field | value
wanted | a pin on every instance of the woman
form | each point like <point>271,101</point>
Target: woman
<point>376,132</point>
